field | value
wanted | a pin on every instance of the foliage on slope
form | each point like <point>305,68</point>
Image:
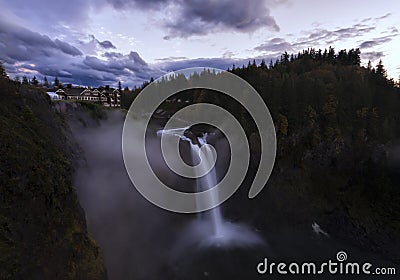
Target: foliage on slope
<point>42,226</point>
<point>338,129</point>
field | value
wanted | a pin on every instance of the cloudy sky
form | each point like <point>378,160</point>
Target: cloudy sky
<point>94,42</point>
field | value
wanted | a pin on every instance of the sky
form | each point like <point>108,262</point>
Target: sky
<point>98,42</point>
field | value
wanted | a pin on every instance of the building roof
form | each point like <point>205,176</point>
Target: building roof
<point>86,91</point>
<point>74,91</point>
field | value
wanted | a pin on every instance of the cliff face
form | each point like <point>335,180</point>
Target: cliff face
<point>43,231</point>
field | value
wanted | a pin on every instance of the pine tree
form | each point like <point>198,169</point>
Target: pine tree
<point>45,82</point>
<point>380,69</point>
<point>271,64</point>
<point>25,80</point>
<point>3,73</point>
<point>262,64</point>
<point>331,55</point>
<point>285,58</point>
<point>354,57</point>
<point>34,81</point>
<point>56,82</point>
<point>119,85</point>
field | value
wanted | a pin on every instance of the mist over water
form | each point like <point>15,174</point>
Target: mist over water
<point>210,229</point>
<point>140,240</point>
<point>129,229</point>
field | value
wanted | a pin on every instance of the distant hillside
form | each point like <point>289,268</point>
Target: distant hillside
<point>42,226</point>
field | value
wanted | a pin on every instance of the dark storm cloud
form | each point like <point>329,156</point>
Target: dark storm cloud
<point>199,17</point>
<point>29,53</point>
<point>118,65</point>
<point>185,17</point>
<point>67,48</point>
<point>130,68</point>
<point>21,44</point>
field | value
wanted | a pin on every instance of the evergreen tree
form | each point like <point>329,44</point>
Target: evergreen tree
<point>285,58</point>
<point>34,81</point>
<point>325,55</point>
<point>354,57</point>
<point>3,73</point>
<point>380,69</point>
<point>25,80</point>
<point>249,65</point>
<point>271,64</point>
<point>331,55</point>
<point>45,82</point>
<point>262,64</point>
<point>119,85</point>
<point>56,82</point>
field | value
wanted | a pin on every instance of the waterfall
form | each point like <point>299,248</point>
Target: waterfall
<point>202,150</point>
<point>210,228</point>
<point>208,181</point>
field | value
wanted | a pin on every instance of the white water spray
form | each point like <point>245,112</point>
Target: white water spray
<point>210,229</point>
<point>208,181</point>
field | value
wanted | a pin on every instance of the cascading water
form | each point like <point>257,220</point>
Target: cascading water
<point>204,151</point>
<point>210,229</point>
